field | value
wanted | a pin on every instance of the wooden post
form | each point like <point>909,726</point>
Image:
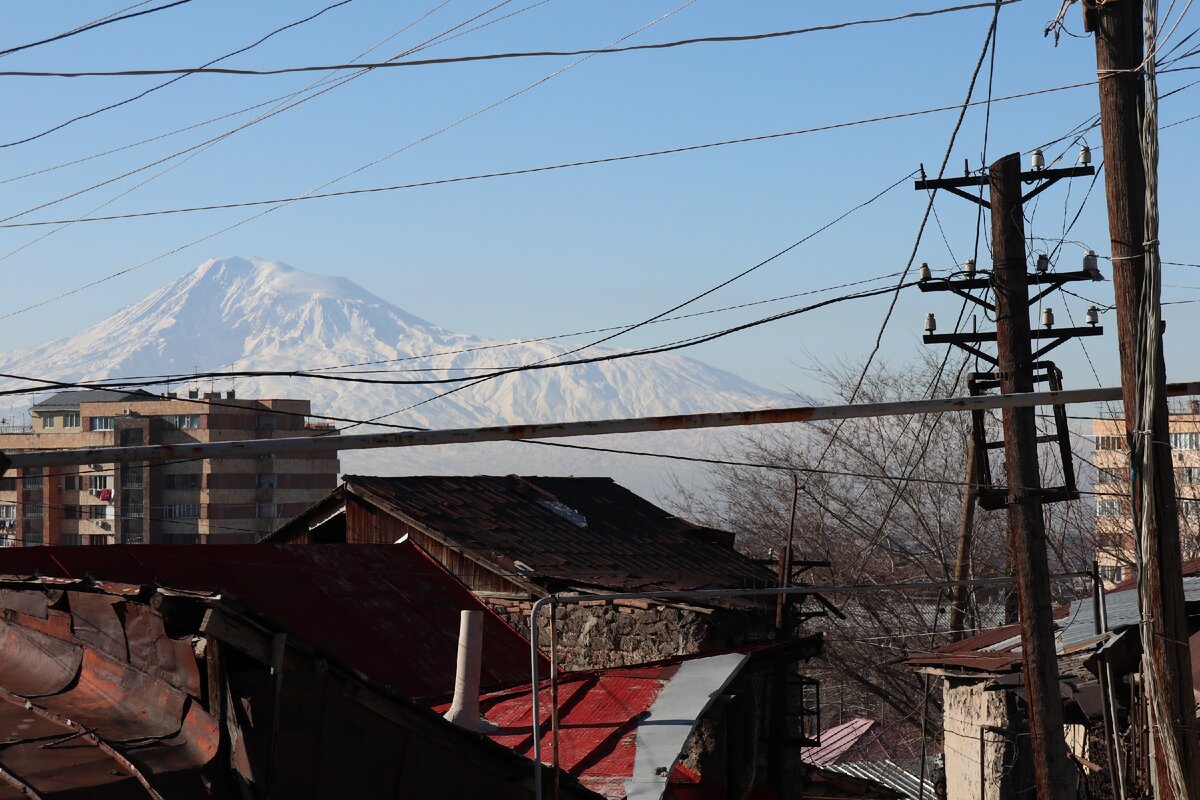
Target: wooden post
<point>962,564</point>
<point>1053,773</point>
<point>1119,56</point>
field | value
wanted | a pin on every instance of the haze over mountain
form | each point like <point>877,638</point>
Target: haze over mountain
<point>248,313</point>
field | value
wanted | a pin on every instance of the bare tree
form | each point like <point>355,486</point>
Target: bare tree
<point>880,500</point>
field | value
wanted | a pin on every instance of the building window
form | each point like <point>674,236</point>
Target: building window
<point>265,481</point>
<point>71,512</point>
<point>267,511</point>
<point>97,512</point>
<point>71,419</point>
<point>8,511</point>
<point>1110,508</point>
<point>8,484</point>
<point>183,420</point>
<point>266,422</point>
<point>32,478</point>
<point>1189,508</point>
<point>183,511</point>
<point>34,511</point>
<point>97,483</point>
<point>1110,442</point>
<point>1187,475</point>
<point>70,539</point>
<point>71,483</point>
<point>189,480</point>
<point>102,423</point>
<point>1186,441</point>
<point>1109,475</point>
<point>47,421</point>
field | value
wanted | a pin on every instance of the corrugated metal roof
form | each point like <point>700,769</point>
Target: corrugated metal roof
<point>887,773</point>
<point>1075,630</point>
<point>562,532</point>
<point>388,611</point>
<point>837,740</point>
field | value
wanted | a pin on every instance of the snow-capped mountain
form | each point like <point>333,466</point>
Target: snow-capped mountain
<point>247,313</point>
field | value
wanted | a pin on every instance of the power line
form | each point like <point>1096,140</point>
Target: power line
<point>343,176</point>
<point>207,70</point>
<point>91,26</point>
<point>6,223</point>
<point>165,84</point>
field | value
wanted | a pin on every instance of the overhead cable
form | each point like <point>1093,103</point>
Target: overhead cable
<point>206,70</point>
<point>91,26</point>
<point>165,84</point>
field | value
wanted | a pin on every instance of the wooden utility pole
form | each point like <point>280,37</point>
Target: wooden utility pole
<point>1119,63</point>
<point>962,564</point>
<point>1053,773</point>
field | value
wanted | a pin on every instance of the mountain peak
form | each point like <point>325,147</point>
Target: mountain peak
<point>259,275</point>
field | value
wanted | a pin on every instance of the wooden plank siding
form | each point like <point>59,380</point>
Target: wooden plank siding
<point>367,524</point>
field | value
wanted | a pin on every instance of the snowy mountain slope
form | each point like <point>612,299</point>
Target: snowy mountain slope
<point>245,313</point>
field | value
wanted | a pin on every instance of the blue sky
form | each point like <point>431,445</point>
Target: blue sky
<point>580,248</point>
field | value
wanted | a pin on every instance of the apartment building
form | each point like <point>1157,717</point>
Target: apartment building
<point>1114,520</point>
<point>189,501</point>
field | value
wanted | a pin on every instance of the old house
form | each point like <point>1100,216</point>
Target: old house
<point>686,728</point>
<point>514,539</point>
<point>984,732</point>
<point>243,672</point>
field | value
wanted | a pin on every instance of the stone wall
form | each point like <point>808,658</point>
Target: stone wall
<point>598,634</point>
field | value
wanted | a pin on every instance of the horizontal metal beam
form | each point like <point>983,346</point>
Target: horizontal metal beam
<point>559,430</point>
<point>982,180</point>
<point>990,336</point>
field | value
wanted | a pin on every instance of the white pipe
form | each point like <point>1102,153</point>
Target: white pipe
<point>464,710</point>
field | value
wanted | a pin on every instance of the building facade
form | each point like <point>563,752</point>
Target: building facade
<point>188,501</point>
<point>1114,520</point>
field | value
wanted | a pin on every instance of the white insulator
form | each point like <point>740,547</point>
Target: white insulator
<point>1047,318</point>
<point>1037,160</point>
<point>924,273</point>
<point>930,323</point>
<point>1085,155</point>
<point>969,266</point>
<point>1043,262</point>
<point>1093,316</point>
<point>1091,265</point>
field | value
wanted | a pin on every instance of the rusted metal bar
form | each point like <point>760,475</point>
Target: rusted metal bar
<point>15,781</point>
<point>560,430</point>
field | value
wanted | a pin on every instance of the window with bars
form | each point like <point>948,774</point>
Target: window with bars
<point>1110,442</point>
<point>1110,508</point>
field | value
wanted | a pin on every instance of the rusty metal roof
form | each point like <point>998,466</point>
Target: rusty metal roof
<point>387,611</point>
<point>137,672</point>
<point>565,532</point>
<point>999,650</point>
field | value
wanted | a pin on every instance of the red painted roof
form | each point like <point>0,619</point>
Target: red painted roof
<point>388,611</point>
<point>600,711</point>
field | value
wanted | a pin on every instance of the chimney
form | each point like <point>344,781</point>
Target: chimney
<point>193,394</point>
<point>464,710</point>
<point>230,395</point>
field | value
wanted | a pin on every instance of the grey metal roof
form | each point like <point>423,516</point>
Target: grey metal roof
<point>70,401</point>
<point>1078,629</point>
<point>887,773</point>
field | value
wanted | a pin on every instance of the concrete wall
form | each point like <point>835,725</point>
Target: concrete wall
<point>967,706</point>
